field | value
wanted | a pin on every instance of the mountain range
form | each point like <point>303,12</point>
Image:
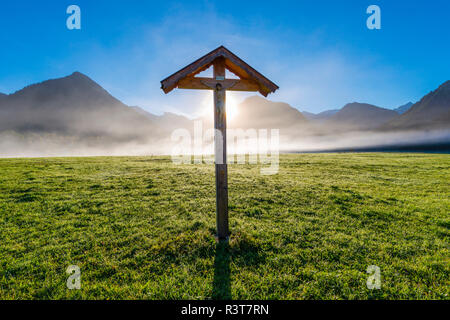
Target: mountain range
<point>74,105</point>
<point>321,115</point>
<point>260,113</point>
<point>324,115</point>
<point>360,116</point>
<point>78,109</point>
<point>432,111</point>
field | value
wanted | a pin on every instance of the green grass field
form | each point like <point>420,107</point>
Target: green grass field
<point>143,228</point>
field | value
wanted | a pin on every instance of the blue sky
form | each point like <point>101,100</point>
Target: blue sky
<point>320,53</point>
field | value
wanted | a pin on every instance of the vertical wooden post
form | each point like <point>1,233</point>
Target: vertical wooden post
<point>250,80</point>
<point>220,126</point>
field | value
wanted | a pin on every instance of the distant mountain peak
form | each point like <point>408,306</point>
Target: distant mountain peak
<point>258,112</point>
<point>403,108</point>
<point>431,112</point>
<point>74,104</point>
<point>444,86</point>
<point>258,100</point>
<point>81,77</point>
<point>255,99</point>
<point>75,91</point>
<point>359,105</point>
<point>78,75</point>
<point>76,80</point>
<point>357,115</point>
<point>321,116</point>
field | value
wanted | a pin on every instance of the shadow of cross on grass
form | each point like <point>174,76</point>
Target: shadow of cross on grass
<point>221,283</point>
<point>245,252</point>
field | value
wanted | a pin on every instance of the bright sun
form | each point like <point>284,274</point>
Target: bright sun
<point>231,106</point>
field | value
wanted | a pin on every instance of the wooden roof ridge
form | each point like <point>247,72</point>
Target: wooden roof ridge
<point>232,63</point>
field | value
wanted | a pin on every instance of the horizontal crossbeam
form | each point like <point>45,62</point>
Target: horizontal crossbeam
<point>211,84</point>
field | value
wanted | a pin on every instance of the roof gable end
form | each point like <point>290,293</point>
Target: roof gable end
<point>232,62</point>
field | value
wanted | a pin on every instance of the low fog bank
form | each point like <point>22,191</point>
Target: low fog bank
<point>53,145</point>
<point>369,140</point>
<point>75,116</point>
<point>14,145</point>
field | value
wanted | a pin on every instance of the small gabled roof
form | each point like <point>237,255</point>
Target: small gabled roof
<point>232,63</point>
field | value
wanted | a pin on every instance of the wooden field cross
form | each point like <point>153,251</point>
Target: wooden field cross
<point>249,80</point>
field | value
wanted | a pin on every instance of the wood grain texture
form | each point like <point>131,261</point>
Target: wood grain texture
<point>220,126</point>
<point>231,62</point>
<point>210,84</point>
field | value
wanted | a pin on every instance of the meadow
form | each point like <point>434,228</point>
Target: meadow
<point>143,228</point>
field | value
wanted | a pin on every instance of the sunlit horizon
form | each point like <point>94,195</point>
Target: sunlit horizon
<point>231,104</point>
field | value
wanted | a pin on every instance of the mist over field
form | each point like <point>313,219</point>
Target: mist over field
<point>75,116</point>
<point>13,144</point>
